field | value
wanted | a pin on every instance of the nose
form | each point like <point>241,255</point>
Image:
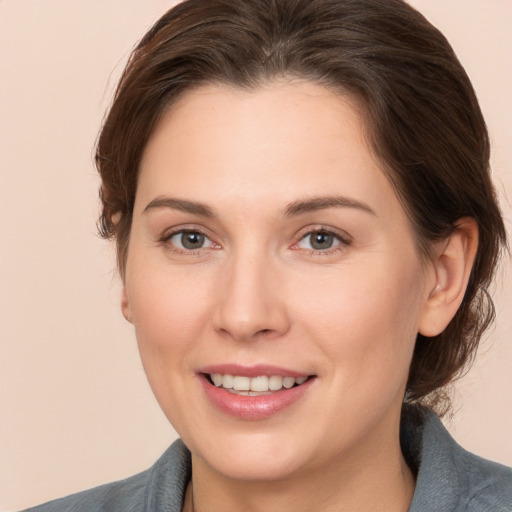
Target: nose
<point>251,299</point>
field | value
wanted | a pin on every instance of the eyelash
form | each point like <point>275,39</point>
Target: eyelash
<point>344,241</point>
<point>168,236</point>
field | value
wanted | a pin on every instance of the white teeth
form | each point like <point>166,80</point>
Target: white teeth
<point>255,385</point>
<point>275,383</point>
<point>259,383</point>
<point>241,383</point>
<point>288,382</point>
<point>227,381</point>
<point>217,379</point>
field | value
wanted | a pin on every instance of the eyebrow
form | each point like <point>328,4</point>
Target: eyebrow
<point>182,205</point>
<point>321,203</point>
<point>293,209</point>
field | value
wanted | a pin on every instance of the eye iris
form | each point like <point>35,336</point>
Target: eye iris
<point>321,241</point>
<point>192,240</point>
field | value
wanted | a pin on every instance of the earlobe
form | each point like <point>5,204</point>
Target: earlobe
<point>452,266</point>
<point>125,305</point>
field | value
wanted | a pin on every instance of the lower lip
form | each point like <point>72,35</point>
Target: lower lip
<point>253,407</point>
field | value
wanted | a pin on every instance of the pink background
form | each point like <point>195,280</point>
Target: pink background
<point>75,408</point>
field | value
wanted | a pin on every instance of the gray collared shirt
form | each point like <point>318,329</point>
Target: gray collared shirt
<point>449,479</point>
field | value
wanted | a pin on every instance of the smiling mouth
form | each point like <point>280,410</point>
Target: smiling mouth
<point>254,386</point>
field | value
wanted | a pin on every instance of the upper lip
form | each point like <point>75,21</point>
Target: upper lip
<point>251,371</point>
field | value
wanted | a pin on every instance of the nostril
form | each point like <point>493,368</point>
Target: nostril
<point>265,332</point>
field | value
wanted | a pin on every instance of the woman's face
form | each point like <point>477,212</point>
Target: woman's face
<point>267,242</point>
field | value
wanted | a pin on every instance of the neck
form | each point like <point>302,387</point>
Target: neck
<point>376,480</point>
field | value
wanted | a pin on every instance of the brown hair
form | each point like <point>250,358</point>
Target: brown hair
<point>423,122</point>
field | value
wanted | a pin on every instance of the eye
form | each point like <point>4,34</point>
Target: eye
<point>189,240</point>
<point>321,241</point>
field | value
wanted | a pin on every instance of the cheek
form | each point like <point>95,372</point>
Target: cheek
<point>366,320</point>
<point>169,312</point>
<point>170,316</point>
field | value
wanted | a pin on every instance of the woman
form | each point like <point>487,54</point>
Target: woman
<point>306,232</point>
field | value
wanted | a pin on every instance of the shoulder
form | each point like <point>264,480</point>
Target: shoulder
<point>125,494</point>
<point>162,487</point>
<point>488,483</point>
<point>452,479</point>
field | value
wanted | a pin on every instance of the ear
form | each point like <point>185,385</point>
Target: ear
<point>454,258</point>
<point>125,305</point>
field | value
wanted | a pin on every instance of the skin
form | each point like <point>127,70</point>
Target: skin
<point>256,292</point>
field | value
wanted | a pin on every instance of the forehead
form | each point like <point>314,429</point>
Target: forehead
<point>277,142</point>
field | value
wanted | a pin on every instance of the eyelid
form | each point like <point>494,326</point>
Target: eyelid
<point>340,235</point>
<point>322,228</point>
<point>169,233</point>
<point>172,230</point>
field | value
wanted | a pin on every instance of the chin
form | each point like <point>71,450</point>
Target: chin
<point>256,457</point>
<point>255,467</point>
